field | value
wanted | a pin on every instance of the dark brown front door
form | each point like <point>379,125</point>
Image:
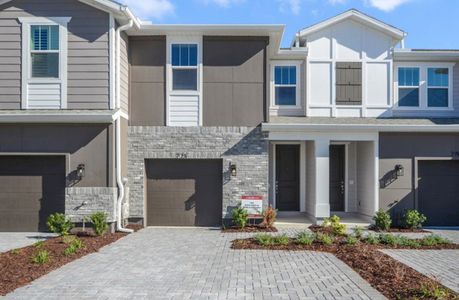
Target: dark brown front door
<point>184,192</point>
<point>337,169</point>
<point>31,188</point>
<point>288,177</point>
<point>438,192</point>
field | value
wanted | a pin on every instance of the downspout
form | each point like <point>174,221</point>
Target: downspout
<point>119,180</point>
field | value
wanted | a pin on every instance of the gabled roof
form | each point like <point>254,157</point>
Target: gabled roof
<point>356,15</point>
<point>119,11</point>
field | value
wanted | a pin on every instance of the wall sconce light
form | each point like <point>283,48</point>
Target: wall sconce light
<point>233,169</point>
<point>400,170</point>
<point>81,171</point>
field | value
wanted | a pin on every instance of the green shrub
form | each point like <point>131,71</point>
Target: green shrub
<point>240,217</point>
<point>339,229</point>
<point>413,219</point>
<point>42,257</point>
<point>282,239</point>
<point>382,220</point>
<point>433,291</point>
<point>39,244</point>
<point>351,240</point>
<point>74,246</point>
<point>305,238</point>
<point>99,221</point>
<point>264,239</point>
<point>324,238</point>
<point>407,242</point>
<point>358,232</point>
<point>389,239</point>
<point>372,239</point>
<point>434,240</point>
<point>68,239</point>
<point>59,223</point>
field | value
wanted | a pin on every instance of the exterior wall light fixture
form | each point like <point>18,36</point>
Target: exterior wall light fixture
<point>233,169</point>
<point>400,170</point>
<point>81,171</point>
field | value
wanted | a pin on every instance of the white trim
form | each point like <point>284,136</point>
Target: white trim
<point>423,85</point>
<point>184,39</point>
<point>284,109</point>
<point>112,58</point>
<point>359,17</point>
<point>27,22</point>
<point>36,116</point>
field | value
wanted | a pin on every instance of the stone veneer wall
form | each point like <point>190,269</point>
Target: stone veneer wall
<point>244,146</point>
<point>99,199</point>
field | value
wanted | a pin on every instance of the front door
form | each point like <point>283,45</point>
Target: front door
<point>288,177</point>
<point>337,169</point>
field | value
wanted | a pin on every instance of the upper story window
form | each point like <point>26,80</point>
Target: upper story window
<point>437,87</point>
<point>285,85</point>
<point>424,86</point>
<point>184,67</point>
<point>408,87</point>
<point>349,83</point>
<point>44,48</point>
<point>44,62</point>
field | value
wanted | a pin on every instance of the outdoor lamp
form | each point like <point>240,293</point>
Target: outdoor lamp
<point>233,169</point>
<point>400,170</point>
<point>81,170</point>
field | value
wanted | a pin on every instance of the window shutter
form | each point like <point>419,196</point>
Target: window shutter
<point>349,83</point>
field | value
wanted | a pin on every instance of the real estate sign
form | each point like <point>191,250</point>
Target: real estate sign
<point>253,205</point>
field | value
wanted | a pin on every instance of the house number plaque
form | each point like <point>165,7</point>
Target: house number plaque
<point>181,155</point>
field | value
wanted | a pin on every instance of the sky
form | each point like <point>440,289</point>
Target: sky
<point>429,23</point>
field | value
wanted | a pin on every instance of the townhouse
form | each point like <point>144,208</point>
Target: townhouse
<point>177,124</point>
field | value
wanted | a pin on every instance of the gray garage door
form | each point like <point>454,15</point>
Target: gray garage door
<point>184,192</point>
<point>438,194</point>
<point>31,188</point>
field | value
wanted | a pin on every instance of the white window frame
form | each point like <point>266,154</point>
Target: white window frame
<point>423,85</point>
<point>285,63</point>
<point>185,68</point>
<point>184,39</point>
<point>448,88</point>
<point>419,86</point>
<point>27,22</point>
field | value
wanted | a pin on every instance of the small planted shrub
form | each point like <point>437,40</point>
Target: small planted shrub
<point>68,239</point>
<point>282,240</point>
<point>358,232</point>
<point>73,247</point>
<point>39,244</point>
<point>336,226</point>
<point>305,238</point>
<point>264,239</point>
<point>389,239</point>
<point>413,219</point>
<point>372,239</point>
<point>269,217</point>
<point>434,240</point>
<point>59,223</point>
<point>42,257</point>
<point>99,221</point>
<point>433,291</point>
<point>351,240</point>
<point>324,238</point>
<point>240,217</point>
<point>382,220</point>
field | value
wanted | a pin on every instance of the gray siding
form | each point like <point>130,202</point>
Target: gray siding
<point>86,144</point>
<point>147,57</point>
<point>124,72</point>
<point>234,81</point>
<point>402,148</point>
<point>88,54</point>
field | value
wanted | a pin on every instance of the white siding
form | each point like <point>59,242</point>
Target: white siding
<point>378,84</point>
<point>183,110</point>
<point>320,83</point>
<point>44,95</point>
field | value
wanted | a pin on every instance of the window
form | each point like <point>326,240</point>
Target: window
<point>437,87</point>
<point>44,48</point>
<point>285,85</point>
<point>349,83</point>
<point>408,87</point>
<point>184,67</point>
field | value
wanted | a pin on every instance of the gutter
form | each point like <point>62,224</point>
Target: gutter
<point>119,180</point>
<point>288,127</point>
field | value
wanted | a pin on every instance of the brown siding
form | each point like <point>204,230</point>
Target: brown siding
<point>234,81</point>
<point>86,144</point>
<point>88,54</point>
<point>147,57</point>
<point>402,148</point>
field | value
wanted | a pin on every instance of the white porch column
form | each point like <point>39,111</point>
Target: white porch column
<point>322,174</point>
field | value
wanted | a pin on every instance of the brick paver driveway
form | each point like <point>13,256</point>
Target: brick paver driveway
<point>197,263</point>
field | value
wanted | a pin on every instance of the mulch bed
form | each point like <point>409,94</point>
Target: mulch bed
<point>390,277</point>
<point>17,268</point>
<point>400,230</point>
<point>251,228</point>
